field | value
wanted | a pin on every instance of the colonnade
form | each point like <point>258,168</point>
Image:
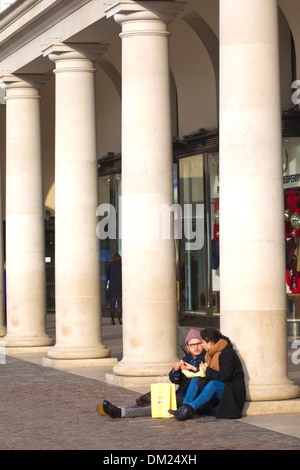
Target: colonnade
<point>252,299</point>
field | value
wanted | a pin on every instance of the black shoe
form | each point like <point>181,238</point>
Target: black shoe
<point>111,410</point>
<point>186,412</point>
<point>175,412</point>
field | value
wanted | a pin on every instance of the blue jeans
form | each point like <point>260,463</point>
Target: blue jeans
<point>194,398</point>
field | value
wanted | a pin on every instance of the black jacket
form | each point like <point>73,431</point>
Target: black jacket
<point>114,276</point>
<point>234,394</point>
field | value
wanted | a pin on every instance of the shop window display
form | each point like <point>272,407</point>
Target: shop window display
<point>291,181</point>
<point>199,276</point>
<point>292,235</point>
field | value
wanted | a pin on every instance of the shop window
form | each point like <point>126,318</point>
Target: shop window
<point>291,181</point>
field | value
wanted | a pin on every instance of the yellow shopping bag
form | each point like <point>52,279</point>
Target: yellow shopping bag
<point>163,398</point>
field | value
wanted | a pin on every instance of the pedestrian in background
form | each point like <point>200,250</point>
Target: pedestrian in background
<point>114,278</point>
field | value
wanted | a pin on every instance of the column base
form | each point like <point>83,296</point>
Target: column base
<point>271,407</point>
<point>272,392</point>
<point>143,369</point>
<point>24,350</point>
<point>70,353</point>
<point>69,363</point>
<point>130,381</point>
<point>17,342</point>
<point>2,331</point>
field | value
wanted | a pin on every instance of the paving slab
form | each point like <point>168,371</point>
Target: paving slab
<point>51,409</point>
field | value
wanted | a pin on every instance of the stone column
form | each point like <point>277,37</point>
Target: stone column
<point>3,329</point>
<point>77,249</point>
<point>149,297</point>
<point>2,270</point>
<point>252,244</point>
<point>25,246</point>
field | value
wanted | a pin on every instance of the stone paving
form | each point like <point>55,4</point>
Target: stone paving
<point>48,409</point>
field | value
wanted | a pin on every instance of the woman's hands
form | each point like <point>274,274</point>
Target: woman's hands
<point>184,366</point>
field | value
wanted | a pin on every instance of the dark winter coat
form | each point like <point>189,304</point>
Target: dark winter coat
<point>234,394</point>
<point>114,276</point>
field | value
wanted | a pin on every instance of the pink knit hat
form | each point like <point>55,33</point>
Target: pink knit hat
<point>192,334</point>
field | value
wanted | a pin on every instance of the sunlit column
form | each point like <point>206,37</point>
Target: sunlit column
<point>2,269</point>
<point>252,244</point>
<point>149,279</point>
<point>25,246</point>
<point>77,249</point>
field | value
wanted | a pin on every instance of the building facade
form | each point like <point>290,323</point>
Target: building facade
<point>167,131</point>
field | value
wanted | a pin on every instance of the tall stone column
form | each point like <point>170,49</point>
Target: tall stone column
<point>252,244</point>
<point>25,246</point>
<point>77,249</point>
<point>2,270</point>
<point>149,297</point>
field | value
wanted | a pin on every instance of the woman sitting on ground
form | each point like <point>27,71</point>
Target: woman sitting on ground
<point>224,380</point>
<point>190,362</point>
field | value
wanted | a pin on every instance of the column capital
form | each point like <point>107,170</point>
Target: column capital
<point>63,51</point>
<point>128,10</point>
<point>23,85</point>
<point>24,81</point>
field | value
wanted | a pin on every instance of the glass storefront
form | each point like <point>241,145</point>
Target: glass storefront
<point>109,195</point>
<point>196,192</point>
<point>50,263</point>
<point>199,245</point>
